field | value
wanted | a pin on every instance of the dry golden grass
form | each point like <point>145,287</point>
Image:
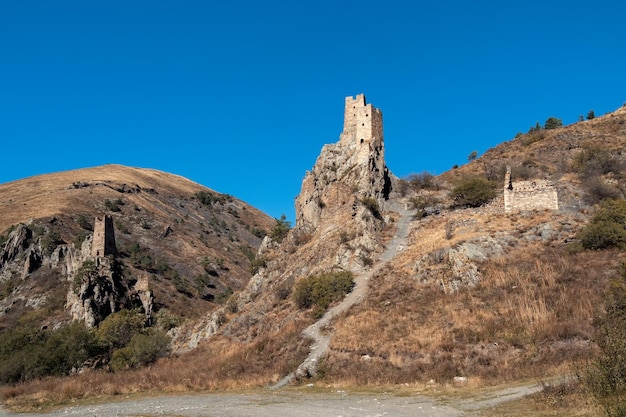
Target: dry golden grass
<point>53,194</point>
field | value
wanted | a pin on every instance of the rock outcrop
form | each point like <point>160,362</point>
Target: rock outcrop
<point>96,285</point>
<point>350,171</point>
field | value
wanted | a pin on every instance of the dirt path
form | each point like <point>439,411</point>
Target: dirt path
<point>288,403</point>
<point>270,404</point>
<point>316,331</point>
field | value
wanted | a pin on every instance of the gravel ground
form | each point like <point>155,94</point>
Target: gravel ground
<point>289,403</point>
<point>274,404</point>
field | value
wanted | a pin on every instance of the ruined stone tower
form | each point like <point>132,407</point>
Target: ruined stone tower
<point>103,242</point>
<point>362,127</point>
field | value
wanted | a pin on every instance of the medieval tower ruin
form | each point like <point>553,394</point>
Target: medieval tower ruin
<point>529,195</point>
<point>103,242</point>
<point>362,127</point>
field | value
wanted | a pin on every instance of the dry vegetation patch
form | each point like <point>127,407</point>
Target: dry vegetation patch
<point>530,315</point>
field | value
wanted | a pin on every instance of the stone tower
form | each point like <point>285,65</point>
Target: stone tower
<point>103,242</point>
<point>362,127</point>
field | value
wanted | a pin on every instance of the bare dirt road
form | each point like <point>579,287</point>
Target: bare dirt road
<point>289,403</point>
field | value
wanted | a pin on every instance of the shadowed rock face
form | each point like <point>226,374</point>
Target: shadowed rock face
<point>349,171</point>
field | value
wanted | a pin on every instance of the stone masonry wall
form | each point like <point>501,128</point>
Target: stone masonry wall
<point>103,242</point>
<point>529,195</point>
<point>362,126</point>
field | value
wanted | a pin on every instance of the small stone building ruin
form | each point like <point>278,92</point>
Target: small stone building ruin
<point>529,195</point>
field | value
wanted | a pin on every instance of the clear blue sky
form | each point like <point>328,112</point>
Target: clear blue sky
<point>240,96</point>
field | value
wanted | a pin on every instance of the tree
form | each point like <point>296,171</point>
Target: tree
<point>607,227</point>
<point>535,128</point>
<point>591,115</point>
<point>422,181</point>
<point>280,229</point>
<point>472,156</point>
<point>553,123</point>
<point>118,328</point>
<point>473,192</point>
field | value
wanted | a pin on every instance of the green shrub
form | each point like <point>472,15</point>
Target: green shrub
<point>28,353</point>
<point>166,320</point>
<point>553,123</point>
<point>421,202</point>
<point>322,290</point>
<point>209,198</point>
<point>607,227</point>
<point>118,328</point>
<point>280,229</point>
<point>86,271</point>
<point>258,232</point>
<point>372,205</point>
<point>114,205</point>
<point>84,223</point>
<point>50,241</point>
<point>473,192</point>
<point>79,239</point>
<point>121,226</point>
<point>142,349</point>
